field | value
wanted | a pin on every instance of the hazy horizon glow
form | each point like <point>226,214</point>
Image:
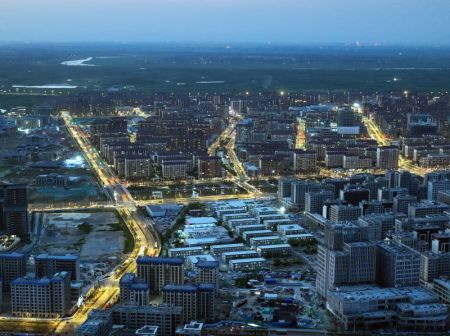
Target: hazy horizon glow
<point>259,21</point>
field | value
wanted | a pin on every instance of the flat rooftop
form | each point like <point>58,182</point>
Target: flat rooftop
<point>239,253</point>
<point>200,220</point>
<point>372,292</point>
<point>274,246</point>
<point>285,227</point>
<point>247,260</point>
<point>265,238</point>
<point>227,245</point>
<point>180,249</point>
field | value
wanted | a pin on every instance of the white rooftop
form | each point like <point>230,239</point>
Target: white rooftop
<point>202,257</point>
<point>285,227</point>
<point>247,260</point>
<point>268,247</point>
<point>200,220</point>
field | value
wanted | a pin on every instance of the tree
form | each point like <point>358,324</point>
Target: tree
<point>294,242</point>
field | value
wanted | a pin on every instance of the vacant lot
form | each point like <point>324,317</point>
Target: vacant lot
<point>94,236</point>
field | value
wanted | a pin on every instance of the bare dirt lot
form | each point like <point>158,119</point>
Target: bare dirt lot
<point>94,236</point>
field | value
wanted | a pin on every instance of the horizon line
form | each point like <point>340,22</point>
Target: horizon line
<point>231,44</point>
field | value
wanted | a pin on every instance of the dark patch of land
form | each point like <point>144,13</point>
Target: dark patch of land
<point>220,68</point>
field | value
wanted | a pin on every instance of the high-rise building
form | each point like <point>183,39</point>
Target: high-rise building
<point>134,290</point>
<point>285,187</point>
<point>13,265</point>
<point>346,117</point>
<point>426,208</point>
<point>236,106</point>
<point>45,297</point>
<point>342,212</point>
<point>137,167</point>
<point>184,296</point>
<point>435,186</point>
<point>159,271</point>
<point>305,161</point>
<point>400,203</point>
<point>379,225</point>
<point>403,179</point>
<point>46,265</point>
<point>314,201</point>
<point>419,124</point>
<point>434,265</point>
<point>14,210</point>
<point>371,207</point>
<point>244,131</point>
<point>353,195</point>
<point>206,304</point>
<point>174,169</point>
<point>197,301</point>
<point>387,195</point>
<point>207,272</point>
<point>299,190</point>
<point>209,167</point>
<point>346,257</point>
<point>387,157</point>
<point>397,265</point>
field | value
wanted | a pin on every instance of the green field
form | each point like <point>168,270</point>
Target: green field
<point>217,69</point>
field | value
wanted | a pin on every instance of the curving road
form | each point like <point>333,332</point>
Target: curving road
<point>145,236</point>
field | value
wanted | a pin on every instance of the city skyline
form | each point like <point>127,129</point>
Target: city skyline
<point>224,167</point>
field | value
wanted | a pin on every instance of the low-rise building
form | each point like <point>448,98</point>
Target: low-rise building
<point>185,251</point>
<point>98,323</point>
<point>244,228</point>
<point>237,222</point>
<point>165,317</point>
<point>227,256</point>
<point>218,250</point>
<point>147,331</point>
<point>266,240</point>
<point>274,250</point>
<point>290,229</point>
<point>247,235</point>
<point>441,286</point>
<point>411,308</point>
<point>247,265</point>
<point>298,237</point>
